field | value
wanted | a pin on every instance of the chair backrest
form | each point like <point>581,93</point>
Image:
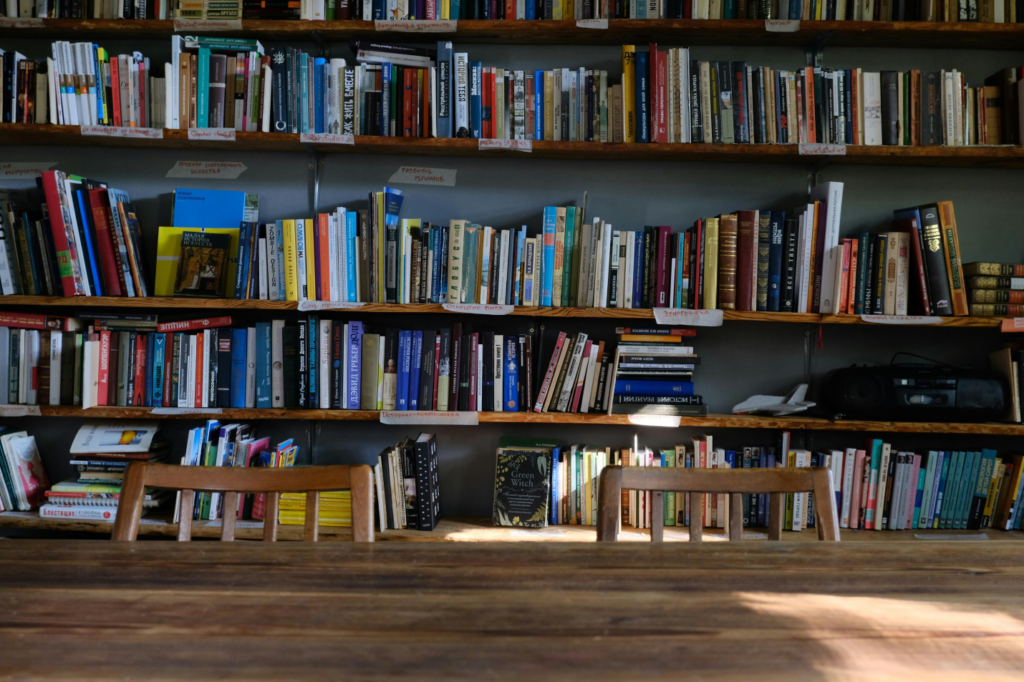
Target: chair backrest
<point>735,482</point>
<point>231,481</point>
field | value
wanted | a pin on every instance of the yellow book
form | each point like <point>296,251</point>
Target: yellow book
<point>556,10</point>
<point>168,247</point>
<point>556,290</point>
<point>568,9</point>
<point>291,270</point>
<point>446,9</point>
<point>549,105</point>
<point>629,92</point>
<point>309,234</point>
<point>710,264</point>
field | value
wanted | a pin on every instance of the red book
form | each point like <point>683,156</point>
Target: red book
<point>437,364</point>
<point>409,103</point>
<point>697,281</point>
<point>192,325</point>
<point>474,375</point>
<point>103,376</point>
<point>851,292</point>
<point>917,263</point>
<point>115,338</point>
<point>664,266</point>
<point>549,376</point>
<point>113,277</point>
<point>844,285</point>
<point>510,9</point>
<point>661,85</point>
<point>139,391</point>
<point>115,91</point>
<point>487,85</point>
<point>33,321</point>
<point>324,254</point>
<point>343,10</point>
<point>812,127</point>
<point>746,260</point>
<point>65,248</point>
<point>199,370</point>
<point>854,94</point>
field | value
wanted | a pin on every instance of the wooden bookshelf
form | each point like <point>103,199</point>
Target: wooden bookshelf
<point>938,35</point>
<point>24,134</point>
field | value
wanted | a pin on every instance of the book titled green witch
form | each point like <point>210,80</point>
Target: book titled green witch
<point>522,487</point>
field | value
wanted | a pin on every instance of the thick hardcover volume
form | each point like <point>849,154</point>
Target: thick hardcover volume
<point>935,261</point>
<point>61,226</point>
<point>643,84</point>
<point>444,88</point>
<point>629,100</point>
<point>710,268</point>
<point>352,370</point>
<point>238,364</point>
<point>428,490</point>
<point>522,488</point>
<point>890,108</point>
<point>728,234</point>
<point>764,229</point>
<point>951,248</point>
<point>909,220</point>
<point>746,260</point>
<point>775,258</point>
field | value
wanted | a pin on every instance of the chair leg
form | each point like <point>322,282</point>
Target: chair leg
<point>227,528</point>
<point>129,508</point>
<point>609,504</point>
<point>657,516</point>
<point>825,506</point>
<point>776,515</point>
<point>696,517</point>
<point>270,517</point>
<point>362,504</point>
<point>735,517</point>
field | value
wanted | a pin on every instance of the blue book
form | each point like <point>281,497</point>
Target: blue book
<point>436,237</point>
<point>159,367</point>
<point>638,273</point>
<point>355,358</point>
<point>531,11</point>
<point>319,125</point>
<point>442,289</point>
<point>203,91</point>
<point>949,479</point>
<point>510,385</point>
<point>262,364</point>
<point>378,9</point>
<point>445,87</point>
<point>918,495</point>
<point>304,94</point>
<point>207,208</point>
<point>95,277</point>
<point>455,9</point>
<point>404,367</point>
<point>415,367</point>
<point>538,105</point>
<point>547,272</point>
<point>653,387</point>
<point>245,231</point>
<point>351,232</point>
<point>239,339</point>
<point>384,124</point>
<point>643,84</point>
<point>972,473</point>
<point>940,490</point>
<point>476,107</point>
<point>555,480</point>
<point>778,220</point>
<point>312,361</point>
<point>516,278</point>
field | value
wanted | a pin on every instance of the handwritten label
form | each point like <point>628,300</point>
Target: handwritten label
<point>901,319</point>
<point>592,23</point>
<point>1014,325</point>
<point>217,523</point>
<point>398,418</point>
<point>21,22</point>
<point>121,131</point>
<point>310,306</point>
<point>185,410</point>
<point>689,318</point>
<point>671,421</point>
<point>418,175</point>
<point>416,26</point>
<point>207,25</point>
<point>950,536</point>
<point>226,134</point>
<point>782,25</point>
<point>25,169</point>
<point>515,145</point>
<point>211,170</point>
<point>815,149</point>
<point>327,138</point>
<point>20,411</point>
<point>478,308</point>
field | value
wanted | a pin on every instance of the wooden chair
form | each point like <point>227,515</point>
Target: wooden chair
<point>735,482</point>
<point>310,480</point>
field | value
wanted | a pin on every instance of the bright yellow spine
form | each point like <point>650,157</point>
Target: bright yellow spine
<point>291,270</point>
<point>309,234</point>
<point>629,92</point>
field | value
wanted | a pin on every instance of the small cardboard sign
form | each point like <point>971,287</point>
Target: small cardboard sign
<point>20,411</point>
<point>181,25</point>
<point>901,319</point>
<point>21,22</point>
<point>311,306</point>
<point>168,411</point>
<point>478,308</point>
<point>122,131</point>
<point>416,25</point>
<point>419,175</point>
<point>819,149</point>
<point>782,25</point>
<point>592,23</point>
<point>429,418</point>
<point>689,318</point>
<point>327,138</point>
<point>208,170</point>
<point>515,145</point>
<point>223,134</point>
<point>25,169</point>
<point>671,421</point>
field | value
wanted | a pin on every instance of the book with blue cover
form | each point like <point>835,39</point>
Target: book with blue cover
<point>239,340</point>
<point>355,359</point>
<point>653,387</point>
<point>778,220</point>
<point>312,359</point>
<point>404,367</point>
<point>511,363</point>
<point>415,367</point>
<point>207,208</point>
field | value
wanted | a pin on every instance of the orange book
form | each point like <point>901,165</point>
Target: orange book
<point>812,127</point>
<point>199,370</point>
<point>951,250</point>
<point>851,294</point>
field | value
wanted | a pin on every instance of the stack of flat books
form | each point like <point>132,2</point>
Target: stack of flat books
<point>653,373</point>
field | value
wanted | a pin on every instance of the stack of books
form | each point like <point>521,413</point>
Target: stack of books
<point>995,289</point>
<point>23,480</point>
<point>653,373</point>
<point>102,452</point>
<point>408,488</point>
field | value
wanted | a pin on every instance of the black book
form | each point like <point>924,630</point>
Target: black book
<point>890,108</point>
<point>385,470</point>
<point>522,487</point>
<point>290,357</point>
<point>931,121</point>
<point>740,124</point>
<point>696,122</point>
<point>133,341</point>
<point>935,263</point>
<point>223,368</point>
<point>487,380</point>
<point>428,488</point>
<point>869,276</point>
<point>455,366</point>
<point>886,520</point>
<point>312,365</point>
<point>789,247</point>
<point>410,490</point>
<point>464,356</point>
<point>878,274</point>
<point>302,378</point>
<point>426,390</point>
<point>661,409</point>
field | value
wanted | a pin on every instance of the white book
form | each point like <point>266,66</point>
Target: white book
<point>897,485</point>
<point>902,272</point>
<point>323,349</point>
<point>803,459</point>
<point>606,247</point>
<point>333,274</point>
<point>872,88</point>
<point>53,88</point>
<point>341,252</point>
<point>56,346</point>
<point>807,248</point>
<point>627,295</point>
<point>90,373</point>
<point>261,259</point>
<point>204,363</point>
<point>485,265</point>
<point>187,386</point>
<point>926,498</point>
<point>276,363</point>
<point>271,246</point>
<point>250,367</point>
<point>831,193</point>
<point>850,459</point>
<point>33,343</point>
<point>461,94</point>
<point>588,383</point>
<point>620,290</point>
<point>265,83</point>
<point>502,254</point>
<point>405,293</point>
<point>499,373</point>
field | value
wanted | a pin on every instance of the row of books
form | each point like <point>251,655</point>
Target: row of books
<point>92,9</point>
<point>995,289</point>
<point>407,485</point>
<point>23,479</point>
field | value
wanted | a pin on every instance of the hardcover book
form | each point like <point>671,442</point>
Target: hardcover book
<point>522,487</point>
<point>202,264</point>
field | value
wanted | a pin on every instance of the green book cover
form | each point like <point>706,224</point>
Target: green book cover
<point>956,468</point>
<point>967,490</point>
<point>522,487</point>
<point>940,491</point>
<point>203,89</point>
<point>668,459</point>
<point>983,481</point>
<point>567,278</point>
<point>876,460</point>
<point>471,240</point>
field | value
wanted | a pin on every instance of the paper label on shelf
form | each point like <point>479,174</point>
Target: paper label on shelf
<point>689,318</point>
<point>536,533</point>
<point>782,25</point>
<point>516,145</point>
<point>671,421</point>
<point>327,138</point>
<point>310,306</point>
<point>901,319</point>
<point>950,536</point>
<point>428,417</point>
<point>592,23</point>
<point>416,25</point>
<point>816,149</point>
<point>209,170</point>
<point>185,410</point>
<point>25,169</point>
<point>20,411</point>
<point>121,131</point>
<point>1014,325</point>
<point>226,134</point>
<point>419,175</point>
<point>478,308</point>
<point>21,22</point>
<point>207,25</point>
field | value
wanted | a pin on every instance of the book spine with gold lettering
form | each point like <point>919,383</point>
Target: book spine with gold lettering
<point>710,301</point>
<point>996,310</point>
<point>629,92</point>
<point>995,296</point>
<point>728,232</point>
<point>764,231</point>
<point>951,248</point>
<point>993,269</point>
<point>938,283</point>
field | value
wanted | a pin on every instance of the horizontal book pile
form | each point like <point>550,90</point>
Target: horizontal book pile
<point>407,485</point>
<point>23,479</point>
<point>653,373</point>
<point>101,452</point>
<point>995,289</point>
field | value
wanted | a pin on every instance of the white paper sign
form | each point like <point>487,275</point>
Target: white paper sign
<point>478,308</point>
<point>1014,325</point>
<point>121,131</point>
<point>416,25</point>
<point>217,523</point>
<point>185,410</point>
<point>209,170</point>
<point>21,22</point>
<point>671,421</point>
<point>901,319</point>
<point>516,145</point>
<point>815,149</point>
<point>20,411</point>
<point>207,25</point>
<point>25,169</point>
<point>689,318</point>
<point>782,25</point>
<point>418,175</point>
<point>327,138</point>
<point>429,418</point>
<point>592,23</point>
<point>310,306</point>
<point>226,134</point>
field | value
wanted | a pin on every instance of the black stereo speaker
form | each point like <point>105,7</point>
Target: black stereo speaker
<point>916,392</point>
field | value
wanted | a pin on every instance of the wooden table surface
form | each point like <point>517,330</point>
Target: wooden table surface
<point>949,610</point>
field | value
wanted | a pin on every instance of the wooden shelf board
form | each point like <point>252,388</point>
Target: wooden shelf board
<point>944,35</point>
<point>21,134</point>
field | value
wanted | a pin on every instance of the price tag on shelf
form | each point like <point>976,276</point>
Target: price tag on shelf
<point>168,411</point>
<point>20,411</point>
<point>429,418</point>
<point>327,138</point>
<point>224,134</point>
<point>21,22</point>
<point>416,25</point>
<point>478,308</point>
<point>25,169</point>
<point>121,131</point>
<point>311,306</point>
<point>901,319</point>
<point>671,421</point>
<point>418,175</point>
<point>181,25</point>
<point>816,149</point>
<point>782,25</point>
<point>689,318</point>
<point>209,170</point>
<point>1014,325</point>
<point>515,145</point>
<point>592,23</point>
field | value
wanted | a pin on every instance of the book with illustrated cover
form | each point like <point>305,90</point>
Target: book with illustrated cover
<point>202,264</point>
<point>522,485</point>
<point>114,437</point>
